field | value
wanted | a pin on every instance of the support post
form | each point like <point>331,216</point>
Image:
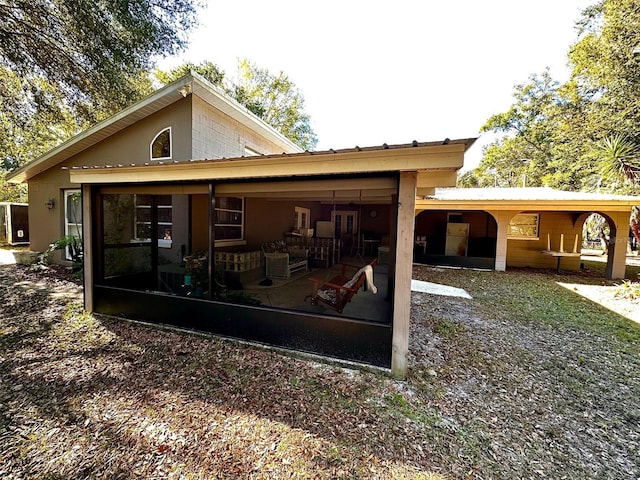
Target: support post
<point>403,271</point>
<point>502,219</point>
<point>87,247</point>
<point>617,252</point>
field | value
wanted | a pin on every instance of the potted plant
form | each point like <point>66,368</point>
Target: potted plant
<point>197,273</point>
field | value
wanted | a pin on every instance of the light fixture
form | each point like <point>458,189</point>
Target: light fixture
<point>50,203</point>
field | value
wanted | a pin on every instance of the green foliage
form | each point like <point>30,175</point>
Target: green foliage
<point>10,192</point>
<point>273,98</point>
<point>210,71</point>
<point>66,64</point>
<point>629,290</point>
<point>619,159</point>
<point>276,100</point>
<point>582,134</point>
<point>90,49</point>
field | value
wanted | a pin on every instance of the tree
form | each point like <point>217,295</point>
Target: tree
<point>562,130</point>
<point>619,161</point>
<point>210,71</point>
<point>276,100</point>
<point>273,98</point>
<point>88,51</point>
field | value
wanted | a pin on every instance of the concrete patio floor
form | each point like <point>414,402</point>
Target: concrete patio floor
<point>295,293</point>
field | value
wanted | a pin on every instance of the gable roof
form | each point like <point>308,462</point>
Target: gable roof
<point>191,84</point>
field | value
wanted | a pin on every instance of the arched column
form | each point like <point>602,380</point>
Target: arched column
<point>502,219</point>
<point>617,251</point>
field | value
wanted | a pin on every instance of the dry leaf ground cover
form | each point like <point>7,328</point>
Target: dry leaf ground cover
<point>527,380</point>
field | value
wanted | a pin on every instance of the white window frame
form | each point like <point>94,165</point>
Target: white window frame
<point>170,145</point>
<point>231,241</point>
<point>68,193</point>
<point>303,218</point>
<point>513,232</point>
<point>162,243</point>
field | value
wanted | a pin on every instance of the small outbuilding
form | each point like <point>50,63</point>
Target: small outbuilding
<point>517,227</point>
<point>14,223</point>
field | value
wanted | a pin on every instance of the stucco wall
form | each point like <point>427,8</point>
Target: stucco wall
<point>128,146</point>
<point>526,253</point>
<point>216,135</point>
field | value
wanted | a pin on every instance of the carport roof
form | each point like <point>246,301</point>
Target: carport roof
<point>530,198</point>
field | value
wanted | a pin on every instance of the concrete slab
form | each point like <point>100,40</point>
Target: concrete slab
<point>438,289</point>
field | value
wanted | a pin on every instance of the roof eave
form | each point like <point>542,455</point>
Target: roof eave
<point>165,96</point>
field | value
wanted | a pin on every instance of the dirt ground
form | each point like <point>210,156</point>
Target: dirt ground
<point>533,377</point>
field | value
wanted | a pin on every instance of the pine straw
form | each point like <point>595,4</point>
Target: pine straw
<point>490,395</point>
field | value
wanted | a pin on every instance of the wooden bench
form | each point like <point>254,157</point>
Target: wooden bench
<point>339,291</point>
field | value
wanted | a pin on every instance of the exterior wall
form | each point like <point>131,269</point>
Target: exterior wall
<point>128,146</point>
<point>526,253</point>
<point>216,135</point>
<point>268,221</point>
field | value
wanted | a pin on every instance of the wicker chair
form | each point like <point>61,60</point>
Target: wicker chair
<point>281,261</point>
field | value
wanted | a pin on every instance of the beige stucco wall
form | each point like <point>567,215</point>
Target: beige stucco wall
<point>128,146</point>
<point>527,253</point>
<point>198,131</point>
<point>216,135</point>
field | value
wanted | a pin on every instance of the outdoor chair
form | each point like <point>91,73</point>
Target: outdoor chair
<point>338,292</point>
<point>281,261</point>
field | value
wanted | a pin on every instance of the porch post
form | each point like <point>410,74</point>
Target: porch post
<point>617,254</point>
<point>403,270</point>
<point>87,247</point>
<point>502,219</point>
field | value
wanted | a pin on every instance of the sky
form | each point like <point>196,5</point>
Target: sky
<point>375,72</point>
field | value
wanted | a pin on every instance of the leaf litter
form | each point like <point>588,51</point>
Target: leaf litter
<point>498,387</point>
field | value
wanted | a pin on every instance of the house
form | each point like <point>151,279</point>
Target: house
<point>180,197</point>
<point>518,227</point>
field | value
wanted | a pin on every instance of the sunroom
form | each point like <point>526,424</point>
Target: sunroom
<point>246,247</point>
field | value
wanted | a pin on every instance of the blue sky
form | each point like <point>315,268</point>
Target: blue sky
<point>376,72</point>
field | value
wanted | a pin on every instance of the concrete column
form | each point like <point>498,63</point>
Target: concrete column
<point>502,219</point>
<point>617,254</point>
<point>403,271</point>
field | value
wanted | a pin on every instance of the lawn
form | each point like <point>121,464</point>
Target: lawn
<point>529,379</point>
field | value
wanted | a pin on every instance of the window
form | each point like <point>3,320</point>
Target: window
<point>229,218</point>
<point>303,218</point>
<point>160,148</point>
<point>164,211</point>
<point>525,226</point>
<point>72,217</point>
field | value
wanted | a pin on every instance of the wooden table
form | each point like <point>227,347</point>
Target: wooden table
<point>559,256</point>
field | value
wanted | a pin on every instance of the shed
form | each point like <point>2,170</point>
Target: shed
<point>14,223</point>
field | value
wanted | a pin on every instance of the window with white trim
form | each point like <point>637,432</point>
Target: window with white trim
<point>229,219</point>
<point>160,147</point>
<point>164,212</point>
<point>303,216</point>
<point>72,217</point>
<point>525,226</point>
